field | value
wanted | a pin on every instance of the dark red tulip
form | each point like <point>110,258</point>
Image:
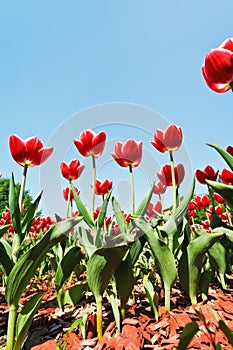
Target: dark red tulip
<point>159,188</point>
<point>66,193</point>
<point>91,144</point>
<point>217,68</point>
<point>73,170</point>
<point>227,176</point>
<point>102,188</point>
<point>207,174</point>
<point>30,152</point>
<point>128,153</point>
<point>165,175</point>
<point>168,140</point>
<point>230,150</point>
<point>219,198</point>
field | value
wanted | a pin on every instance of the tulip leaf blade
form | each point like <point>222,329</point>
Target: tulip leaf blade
<point>5,257</point>
<point>120,218</point>
<point>141,210</point>
<point>227,331</point>
<point>25,317</point>
<point>82,209</point>
<point>187,335</point>
<point>226,191</point>
<point>25,267</point>
<point>14,206</point>
<point>225,155</point>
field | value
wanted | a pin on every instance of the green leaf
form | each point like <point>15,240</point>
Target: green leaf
<point>151,295</point>
<point>141,210</point>
<point>14,206</point>
<point>82,209</point>
<point>120,218</point>
<point>217,254</point>
<point>66,266</point>
<point>225,155</point>
<point>191,261</point>
<point>101,266</point>
<point>29,216</point>
<point>226,330</point>
<point>5,256</point>
<point>173,223</point>
<point>4,229</point>
<point>26,266</point>
<point>114,302</point>
<point>226,191</point>
<point>25,317</point>
<point>163,257</point>
<point>74,294</point>
<point>103,210</point>
<point>187,335</point>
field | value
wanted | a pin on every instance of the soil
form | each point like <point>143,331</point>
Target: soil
<point>139,329</point>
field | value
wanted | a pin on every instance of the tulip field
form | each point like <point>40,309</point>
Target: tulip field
<point>155,277</point>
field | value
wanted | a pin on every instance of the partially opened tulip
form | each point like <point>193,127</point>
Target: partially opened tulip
<point>207,174</point>
<point>91,145</point>
<point>165,175</point>
<point>73,170</point>
<point>102,188</point>
<point>168,140</point>
<point>68,193</point>
<point>128,154</point>
<point>227,176</point>
<point>159,188</point>
<point>28,153</point>
<point>217,68</point>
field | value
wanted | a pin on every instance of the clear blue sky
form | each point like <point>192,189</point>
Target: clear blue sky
<point>59,57</point>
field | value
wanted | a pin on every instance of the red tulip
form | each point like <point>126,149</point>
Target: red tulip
<point>30,152</point>
<point>102,188</point>
<point>192,205</point>
<point>165,174</point>
<point>168,140</point>
<point>153,210</point>
<point>128,153</point>
<point>207,174</point>
<point>217,68</point>
<point>219,198</point>
<point>73,170</point>
<point>230,150</point>
<point>66,193</point>
<point>160,188</point>
<point>91,144</point>
<point>227,176</point>
<point>202,201</point>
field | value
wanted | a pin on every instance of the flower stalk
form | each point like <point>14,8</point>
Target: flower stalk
<point>132,189</point>
<point>22,187</point>
<point>93,186</point>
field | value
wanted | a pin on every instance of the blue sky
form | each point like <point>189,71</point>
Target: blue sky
<point>58,58</point>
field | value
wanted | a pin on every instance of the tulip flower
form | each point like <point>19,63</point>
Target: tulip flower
<point>128,154</point>
<point>91,144</point>
<point>230,150</point>
<point>30,152</point>
<point>218,198</point>
<point>168,140</point>
<point>227,176</point>
<point>159,188</point>
<point>153,210</point>
<point>207,174</point>
<point>102,188</point>
<point>217,68</point>
<point>165,175</point>
<point>202,201</point>
<point>68,193</point>
<point>73,170</point>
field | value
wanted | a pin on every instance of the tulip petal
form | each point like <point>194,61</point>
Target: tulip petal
<point>17,149</point>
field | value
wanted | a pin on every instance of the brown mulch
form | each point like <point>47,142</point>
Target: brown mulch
<point>139,329</point>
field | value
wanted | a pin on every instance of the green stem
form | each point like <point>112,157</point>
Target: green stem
<point>22,187</point>
<point>99,317</point>
<point>68,201</point>
<point>132,189</point>
<point>93,187</point>
<point>167,298</point>
<point>173,181</point>
<point>11,327</point>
